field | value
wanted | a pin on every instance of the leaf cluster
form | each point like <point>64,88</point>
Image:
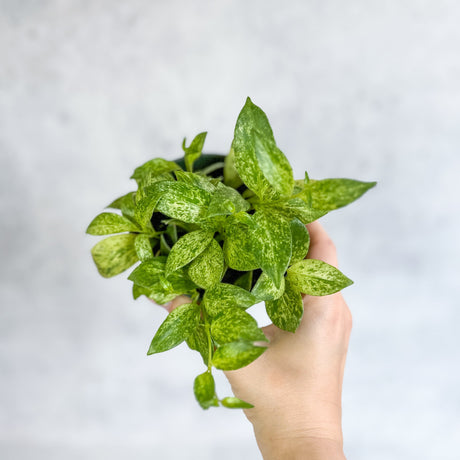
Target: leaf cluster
<point>229,234</point>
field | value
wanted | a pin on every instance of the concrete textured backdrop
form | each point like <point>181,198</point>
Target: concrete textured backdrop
<point>90,89</point>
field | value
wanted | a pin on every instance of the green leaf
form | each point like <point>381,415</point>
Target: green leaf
<point>204,388</point>
<point>265,289</point>
<point>223,296</point>
<point>125,204</point>
<point>235,324</point>
<point>176,328</point>
<point>231,177</point>
<point>244,281</point>
<point>273,234</point>
<point>147,203</point>
<point>145,175</point>
<point>143,247</point>
<point>235,355</point>
<point>108,223</point>
<point>148,272</point>
<point>139,290</point>
<point>114,254</point>
<point>235,403</point>
<point>315,277</point>
<point>296,207</point>
<point>207,269</point>
<point>300,241</point>
<point>259,162</point>
<point>184,202</point>
<point>198,341</point>
<point>193,152</point>
<point>196,180</point>
<point>241,248</point>
<point>330,194</point>
<point>187,248</point>
<point>226,200</point>
<point>286,312</point>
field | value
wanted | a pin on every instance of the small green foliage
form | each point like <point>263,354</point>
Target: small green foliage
<point>204,388</point>
<point>228,232</point>
<point>192,153</point>
<point>235,403</point>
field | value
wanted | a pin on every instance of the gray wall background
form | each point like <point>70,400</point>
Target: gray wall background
<point>91,89</point>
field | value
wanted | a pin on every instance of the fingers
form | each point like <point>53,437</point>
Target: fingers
<point>321,245</point>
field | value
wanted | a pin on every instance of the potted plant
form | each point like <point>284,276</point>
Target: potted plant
<point>229,232</point>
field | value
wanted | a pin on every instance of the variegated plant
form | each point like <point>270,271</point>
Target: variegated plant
<point>229,233</point>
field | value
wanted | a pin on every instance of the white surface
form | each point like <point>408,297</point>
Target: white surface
<point>90,89</point>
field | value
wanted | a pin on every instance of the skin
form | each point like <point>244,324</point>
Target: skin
<point>296,385</point>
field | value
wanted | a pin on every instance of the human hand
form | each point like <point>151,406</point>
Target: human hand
<point>296,385</point>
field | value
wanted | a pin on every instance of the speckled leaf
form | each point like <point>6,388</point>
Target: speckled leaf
<point>235,324</point>
<point>235,403</point>
<point>148,272</point>
<point>193,152</point>
<point>184,202</point>
<point>145,174</point>
<point>207,269</point>
<point>315,277</point>
<point>204,388</point>
<point>196,180</point>
<point>226,200</point>
<point>259,162</point>
<point>108,223</point>
<point>273,234</point>
<point>223,296</point>
<point>231,177</point>
<point>330,194</point>
<point>198,341</point>
<point>300,241</point>
<point>264,289</point>
<point>147,203</point>
<point>235,355</point>
<point>176,328</point>
<point>143,247</point>
<point>241,249</point>
<point>125,204</point>
<point>286,312</point>
<point>114,254</point>
<point>296,207</point>
<point>187,248</point>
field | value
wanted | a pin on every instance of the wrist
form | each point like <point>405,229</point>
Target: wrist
<point>302,448</point>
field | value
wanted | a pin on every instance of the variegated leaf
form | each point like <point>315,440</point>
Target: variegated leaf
<point>286,312</point>
<point>330,194</point>
<point>144,174</point>
<point>236,324</point>
<point>223,296</point>
<point>115,254</point>
<point>207,269</point>
<point>187,248</point>
<point>226,200</point>
<point>176,328</point>
<point>265,289</point>
<point>204,388</point>
<point>108,223</point>
<point>273,234</point>
<point>315,277</point>
<point>300,241</point>
<point>235,355</point>
<point>259,162</point>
